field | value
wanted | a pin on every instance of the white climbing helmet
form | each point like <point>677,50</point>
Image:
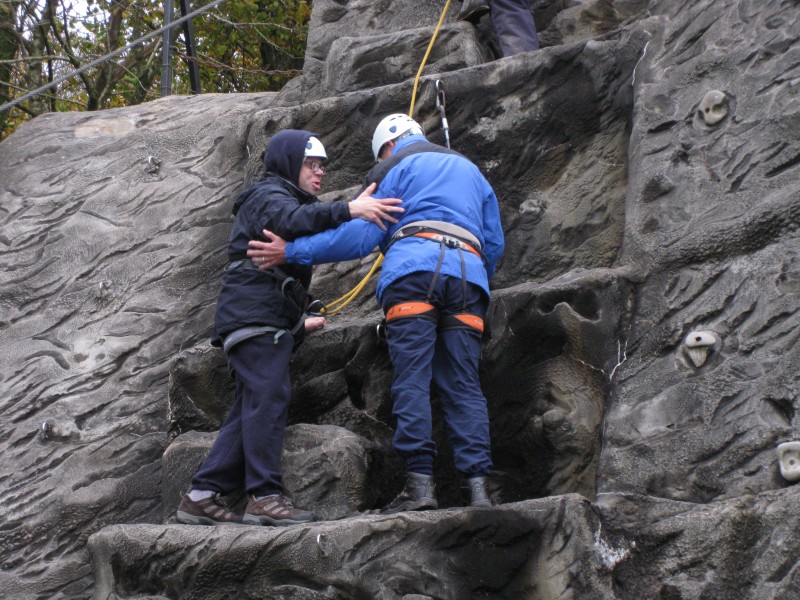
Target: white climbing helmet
<point>315,149</point>
<point>391,128</point>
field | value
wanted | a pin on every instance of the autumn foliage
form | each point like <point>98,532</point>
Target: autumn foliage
<point>242,46</point>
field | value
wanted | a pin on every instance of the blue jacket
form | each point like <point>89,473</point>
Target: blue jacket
<point>433,186</point>
<point>249,297</point>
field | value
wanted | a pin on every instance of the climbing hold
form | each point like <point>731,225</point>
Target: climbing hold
<point>153,165</point>
<point>698,345</point>
<point>789,460</point>
<point>713,107</point>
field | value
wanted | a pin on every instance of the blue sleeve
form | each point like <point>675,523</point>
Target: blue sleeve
<point>494,241</point>
<point>349,241</point>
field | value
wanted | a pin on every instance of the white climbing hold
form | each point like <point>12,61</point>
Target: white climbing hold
<point>713,107</point>
<point>698,346</point>
<point>789,460</point>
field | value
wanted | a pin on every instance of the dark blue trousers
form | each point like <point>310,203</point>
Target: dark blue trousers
<point>421,353</point>
<point>513,25</point>
<point>248,449</point>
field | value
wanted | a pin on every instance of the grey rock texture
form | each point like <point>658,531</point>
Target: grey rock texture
<point>740,548</point>
<point>332,468</point>
<point>514,551</point>
<point>712,216</point>
<point>113,234</point>
<point>646,161</point>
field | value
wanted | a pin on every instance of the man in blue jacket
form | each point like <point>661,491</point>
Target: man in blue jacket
<point>434,290</point>
<point>260,320</point>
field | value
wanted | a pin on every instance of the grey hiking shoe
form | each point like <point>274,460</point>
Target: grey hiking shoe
<point>209,511</point>
<point>472,10</point>
<point>419,494</point>
<point>475,489</point>
<point>274,510</point>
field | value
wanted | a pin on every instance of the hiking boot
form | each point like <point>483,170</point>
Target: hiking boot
<point>472,10</point>
<point>274,510</point>
<point>208,511</point>
<point>419,494</point>
<point>475,489</point>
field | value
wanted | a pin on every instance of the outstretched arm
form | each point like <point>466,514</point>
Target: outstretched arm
<point>350,240</point>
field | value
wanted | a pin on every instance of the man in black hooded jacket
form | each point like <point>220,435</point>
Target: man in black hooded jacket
<point>260,320</point>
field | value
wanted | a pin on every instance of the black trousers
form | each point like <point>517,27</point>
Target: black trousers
<point>247,451</point>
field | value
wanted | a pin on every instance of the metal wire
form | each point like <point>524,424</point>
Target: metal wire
<point>102,59</point>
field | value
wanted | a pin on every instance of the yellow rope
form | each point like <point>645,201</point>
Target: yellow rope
<point>340,303</point>
<point>343,301</point>
<point>425,58</point>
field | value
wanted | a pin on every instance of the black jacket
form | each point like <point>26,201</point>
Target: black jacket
<point>252,297</point>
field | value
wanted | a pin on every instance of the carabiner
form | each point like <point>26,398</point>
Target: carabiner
<point>441,103</point>
<point>317,309</point>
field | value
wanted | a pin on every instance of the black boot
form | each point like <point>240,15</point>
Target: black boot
<point>472,10</point>
<point>419,494</point>
<point>475,489</point>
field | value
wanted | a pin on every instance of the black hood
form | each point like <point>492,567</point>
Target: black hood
<point>286,152</point>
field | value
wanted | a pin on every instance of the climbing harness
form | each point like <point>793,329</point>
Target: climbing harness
<point>446,235</point>
<point>413,309</point>
<point>426,310</point>
<point>441,103</point>
<point>244,333</point>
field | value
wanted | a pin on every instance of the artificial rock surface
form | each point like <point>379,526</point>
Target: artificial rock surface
<point>532,549</point>
<point>646,162</point>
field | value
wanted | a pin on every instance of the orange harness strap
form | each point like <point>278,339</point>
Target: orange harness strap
<point>428,311</point>
<point>473,321</point>
<point>462,321</point>
<point>411,309</point>
<point>438,237</point>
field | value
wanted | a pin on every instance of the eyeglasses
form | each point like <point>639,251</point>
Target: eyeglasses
<point>315,166</point>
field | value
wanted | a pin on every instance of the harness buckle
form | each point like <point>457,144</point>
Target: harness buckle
<point>451,243</point>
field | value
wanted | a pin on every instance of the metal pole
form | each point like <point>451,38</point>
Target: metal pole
<point>191,49</point>
<point>106,57</point>
<point>166,49</point>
